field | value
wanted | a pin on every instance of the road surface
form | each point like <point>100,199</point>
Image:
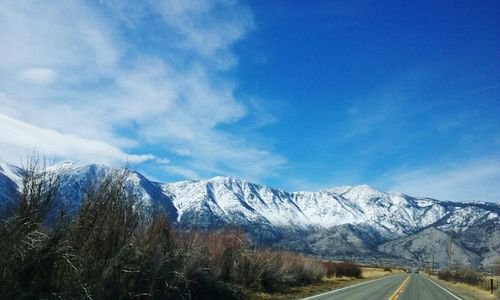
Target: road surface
<point>400,286</point>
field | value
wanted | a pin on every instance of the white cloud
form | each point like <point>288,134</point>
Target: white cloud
<point>17,135</point>
<point>38,76</point>
<point>185,172</point>
<point>208,27</point>
<point>164,161</point>
<point>84,78</point>
<point>457,182</point>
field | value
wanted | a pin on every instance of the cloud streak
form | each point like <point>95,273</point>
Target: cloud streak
<point>17,135</point>
<point>38,76</point>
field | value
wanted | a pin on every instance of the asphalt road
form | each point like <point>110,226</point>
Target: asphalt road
<point>417,287</point>
<point>420,287</point>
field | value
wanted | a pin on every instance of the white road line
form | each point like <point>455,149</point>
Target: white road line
<point>347,287</point>
<point>445,289</point>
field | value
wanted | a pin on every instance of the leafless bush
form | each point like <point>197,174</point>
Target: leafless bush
<point>29,253</point>
<point>341,269</point>
<point>468,277</point>
<point>348,269</point>
<point>330,268</point>
<point>300,270</point>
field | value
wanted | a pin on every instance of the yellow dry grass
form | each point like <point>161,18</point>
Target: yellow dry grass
<point>463,289</point>
<point>369,272</point>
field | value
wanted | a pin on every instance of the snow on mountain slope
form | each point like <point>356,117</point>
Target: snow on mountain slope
<point>227,200</point>
<point>11,172</point>
<point>9,181</point>
<point>234,201</point>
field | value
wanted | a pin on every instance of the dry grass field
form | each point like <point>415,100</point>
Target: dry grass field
<point>468,291</point>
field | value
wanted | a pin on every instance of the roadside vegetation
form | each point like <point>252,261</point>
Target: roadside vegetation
<point>109,251</point>
<point>471,278</point>
<point>472,284</point>
<point>342,269</point>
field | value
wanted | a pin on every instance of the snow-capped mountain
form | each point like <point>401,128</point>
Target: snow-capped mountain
<point>339,221</point>
<point>10,180</point>
<point>393,214</point>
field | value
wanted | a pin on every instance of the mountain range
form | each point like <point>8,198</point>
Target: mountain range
<point>348,222</point>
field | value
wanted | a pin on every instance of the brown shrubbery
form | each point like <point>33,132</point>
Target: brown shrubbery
<point>469,277</point>
<point>347,269</point>
<point>109,251</point>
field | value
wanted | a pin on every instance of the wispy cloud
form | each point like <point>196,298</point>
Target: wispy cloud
<point>107,84</point>
<point>457,182</point>
<point>19,135</point>
<point>207,27</point>
<point>38,76</point>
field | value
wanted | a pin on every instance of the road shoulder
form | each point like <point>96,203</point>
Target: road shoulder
<point>463,291</point>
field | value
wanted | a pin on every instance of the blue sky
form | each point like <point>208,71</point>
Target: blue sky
<point>300,95</point>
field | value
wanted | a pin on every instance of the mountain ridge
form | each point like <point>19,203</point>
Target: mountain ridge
<point>330,222</point>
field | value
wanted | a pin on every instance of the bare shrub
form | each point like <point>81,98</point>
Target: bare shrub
<point>274,272</point>
<point>227,251</point>
<point>300,270</point>
<point>330,268</point>
<point>348,269</point>
<point>341,269</point>
<point>468,277</point>
<point>102,235</point>
<point>31,256</point>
